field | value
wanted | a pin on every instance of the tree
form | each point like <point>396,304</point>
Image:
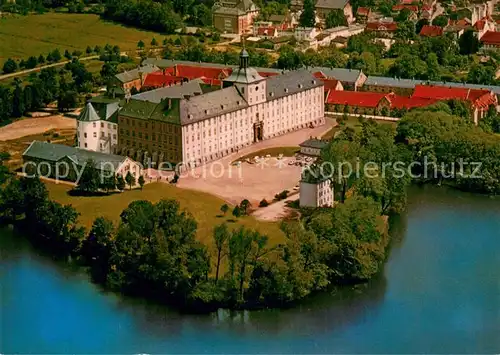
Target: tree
<point>308,15</point>
<point>96,248</point>
<point>244,206</point>
<point>441,21</point>
<point>130,180</point>
<point>224,208</point>
<point>421,23</point>
<point>108,70</point>
<point>55,55</point>
<point>405,31</point>
<point>90,180</point>
<point>108,183</point>
<point>221,237</point>
<point>31,62</point>
<point>89,50</point>
<point>67,55</point>
<point>120,183</point>
<point>335,18</point>
<point>482,74</point>
<point>154,43</point>
<point>237,211</point>
<point>468,43</point>
<point>140,45</point>
<point>18,106</point>
<point>41,59</point>
<point>403,15</point>
<point>141,181</point>
<point>67,100</point>
<point>10,66</point>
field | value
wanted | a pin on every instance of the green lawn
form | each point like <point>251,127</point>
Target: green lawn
<point>23,36</point>
<point>352,122</point>
<point>274,152</point>
<point>203,206</point>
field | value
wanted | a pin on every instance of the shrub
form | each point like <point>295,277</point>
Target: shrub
<point>282,195</point>
<point>263,203</point>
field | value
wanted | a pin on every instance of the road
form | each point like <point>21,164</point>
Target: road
<point>27,71</point>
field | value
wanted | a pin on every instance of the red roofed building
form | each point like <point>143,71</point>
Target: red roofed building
<point>267,32</point>
<point>193,72</point>
<point>479,99</point>
<point>427,11</point>
<point>363,14</point>
<point>159,79</point>
<point>382,27</point>
<point>412,8</point>
<point>431,31</point>
<point>491,40</point>
<point>357,102</point>
<point>404,102</point>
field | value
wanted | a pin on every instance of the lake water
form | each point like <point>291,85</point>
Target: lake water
<point>439,293</point>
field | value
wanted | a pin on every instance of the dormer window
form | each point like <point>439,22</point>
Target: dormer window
<point>300,86</point>
<point>313,82</point>
<point>286,89</point>
<point>190,116</point>
<point>222,107</point>
<point>206,112</point>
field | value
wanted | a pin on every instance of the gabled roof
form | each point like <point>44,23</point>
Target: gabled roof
<point>88,114</point>
<point>330,84</point>
<point>159,79</point>
<point>400,102</point>
<point>478,97</point>
<point>135,74</point>
<point>431,31</point>
<point>291,83</point>
<point>382,26</point>
<point>355,98</point>
<point>491,38</point>
<point>341,74</point>
<point>331,4</point>
<point>266,31</point>
<point>413,8</point>
<point>55,152</point>
<point>363,11</point>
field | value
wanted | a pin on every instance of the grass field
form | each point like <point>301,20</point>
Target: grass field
<point>274,152</point>
<point>23,36</point>
<point>203,206</point>
<point>352,122</point>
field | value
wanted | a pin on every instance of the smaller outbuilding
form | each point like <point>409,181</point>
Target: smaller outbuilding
<point>312,147</point>
<point>62,162</point>
<point>316,190</point>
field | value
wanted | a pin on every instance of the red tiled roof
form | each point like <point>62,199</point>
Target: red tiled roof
<point>330,84</point>
<point>479,25</point>
<point>491,38</point>
<point>354,98</point>
<point>426,8</point>
<point>478,97</point>
<point>267,74</point>
<point>266,31</point>
<point>382,26</point>
<point>400,102</point>
<point>409,2</point>
<point>413,8</point>
<point>462,22</point>
<point>319,75</point>
<point>431,31</point>
<point>365,11</point>
<point>193,72</point>
<point>159,79</point>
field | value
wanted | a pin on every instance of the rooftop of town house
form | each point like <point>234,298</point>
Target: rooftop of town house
<point>413,8</point>
<point>341,74</point>
<point>431,31</point>
<point>491,38</point>
<point>330,84</point>
<point>190,88</point>
<point>382,26</point>
<point>55,152</point>
<point>160,79</point>
<point>314,143</point>
<point>363,11</point>
<point>331,4</point>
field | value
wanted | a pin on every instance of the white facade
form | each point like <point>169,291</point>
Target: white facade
<point>305,33</point>
<point>99,136</point>
<point>259,118</point>
<point>315,195</point>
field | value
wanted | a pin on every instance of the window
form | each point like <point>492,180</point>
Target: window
<point>85,135</point>
<point>102,124</point>
<point>95,134</point>
<point>85,145</point>
<point>93,124</point>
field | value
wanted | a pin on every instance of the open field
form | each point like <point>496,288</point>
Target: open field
<point>203,206</point>
<point>23,36</point>
<point>352,122</point>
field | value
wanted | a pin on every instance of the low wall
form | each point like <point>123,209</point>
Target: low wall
<point>379,118</point>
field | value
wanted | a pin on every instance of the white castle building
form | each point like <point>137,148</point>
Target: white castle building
<point>249,108</point>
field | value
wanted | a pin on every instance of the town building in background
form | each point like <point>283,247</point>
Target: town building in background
<point>234,16</point>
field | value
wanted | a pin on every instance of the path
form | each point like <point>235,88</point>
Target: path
<point>27,71</point>
<point>275,211</point>
<point>35,125</point>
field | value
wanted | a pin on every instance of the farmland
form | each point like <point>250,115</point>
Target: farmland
<point>24,36</point>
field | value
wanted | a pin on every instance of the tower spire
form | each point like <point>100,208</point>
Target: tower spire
<point>243,55</point>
